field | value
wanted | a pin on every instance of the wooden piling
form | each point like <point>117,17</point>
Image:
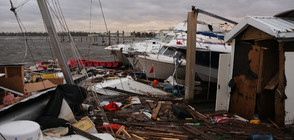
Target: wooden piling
<point>134,36</point>
<point>190,57</point>
<point>123,34</point>
<point>117,37</point>
<point>103,41</point>
<point>109,38</point>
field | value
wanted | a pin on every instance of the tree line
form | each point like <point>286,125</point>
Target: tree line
<point>137,34</point>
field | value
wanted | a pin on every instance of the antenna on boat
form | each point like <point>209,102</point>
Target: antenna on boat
<point>54,41</point>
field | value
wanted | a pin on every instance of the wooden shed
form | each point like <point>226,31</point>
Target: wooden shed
<point>262,68</point>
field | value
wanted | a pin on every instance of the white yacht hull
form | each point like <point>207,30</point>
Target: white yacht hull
<point>120,56</point>
<point>163,69</point>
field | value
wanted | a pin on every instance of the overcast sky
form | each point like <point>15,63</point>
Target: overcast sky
<point>138,15</point>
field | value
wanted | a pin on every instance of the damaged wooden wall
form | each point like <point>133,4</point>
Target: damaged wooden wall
<point>258,63</point>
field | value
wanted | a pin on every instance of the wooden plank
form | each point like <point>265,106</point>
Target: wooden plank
<point>168,130</point>
<point>155,111</point>
<point>190,56</point>
<point>222,93</point>
<point>156,134</point>
<point>135,137</point>
<point>272,83</point>
<point>279,102</point>
<point>38,86</point>
<point>151,105</point>
<point>252,33</point>
<point>197,131</point>
<point>260,70</point>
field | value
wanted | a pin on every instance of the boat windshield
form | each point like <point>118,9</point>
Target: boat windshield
<point>169,52</point>
<point>167,38</point>
<point>157,38</point>
<point>162,49</point>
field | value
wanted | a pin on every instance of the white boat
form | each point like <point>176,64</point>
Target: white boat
<point>121,51</point>
<point>125,85</point>
<point>208,49</point>
<point>125,52</point>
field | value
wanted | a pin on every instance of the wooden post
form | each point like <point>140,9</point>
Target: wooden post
<point>279,101</point>
<point>190,57</point>
<point>134,36</point>
<point>117,37</point>
<point>103,40</point>
<point>123,34</point>
<point>109,38</point>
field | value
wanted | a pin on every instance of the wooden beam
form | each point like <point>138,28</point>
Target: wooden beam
<point>272,83</point>
<point>123,34</point>
<point>168,130</point>
<point>191,55</point>
<point>155,111</point>
<point>279,102</point>
<point>109,38</point>
<point>156,134</point>
<point>259,74</point>
<point>117,37</point>
<point>134,35</point>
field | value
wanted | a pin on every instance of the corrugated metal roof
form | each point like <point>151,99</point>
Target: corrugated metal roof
<point>281,28</point>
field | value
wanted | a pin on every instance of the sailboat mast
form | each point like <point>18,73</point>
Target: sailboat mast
<point>55,41</point>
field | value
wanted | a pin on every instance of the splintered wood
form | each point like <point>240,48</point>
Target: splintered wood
<point>155,118</point>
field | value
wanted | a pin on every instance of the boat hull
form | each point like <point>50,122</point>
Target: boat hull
<point>162,70</point>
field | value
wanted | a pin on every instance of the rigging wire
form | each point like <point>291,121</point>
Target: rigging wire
<point>90,26</point>
<point>103,16</point>
<point>23,31</point>
<point>75,50</point>
<point>58,13</point>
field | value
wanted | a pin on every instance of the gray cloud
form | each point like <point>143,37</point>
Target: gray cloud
<point>137,15</point>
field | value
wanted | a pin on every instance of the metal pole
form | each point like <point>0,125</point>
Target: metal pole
<point>12,91</point>
<point>190,57</point>
<point>214,15</point>
<point>54,41</point>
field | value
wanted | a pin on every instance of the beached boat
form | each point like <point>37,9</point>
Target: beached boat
<point>121,51</point>
<point>125,52</point>
<point>171,59</point>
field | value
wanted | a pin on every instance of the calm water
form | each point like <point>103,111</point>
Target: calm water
<point>13,49</point>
